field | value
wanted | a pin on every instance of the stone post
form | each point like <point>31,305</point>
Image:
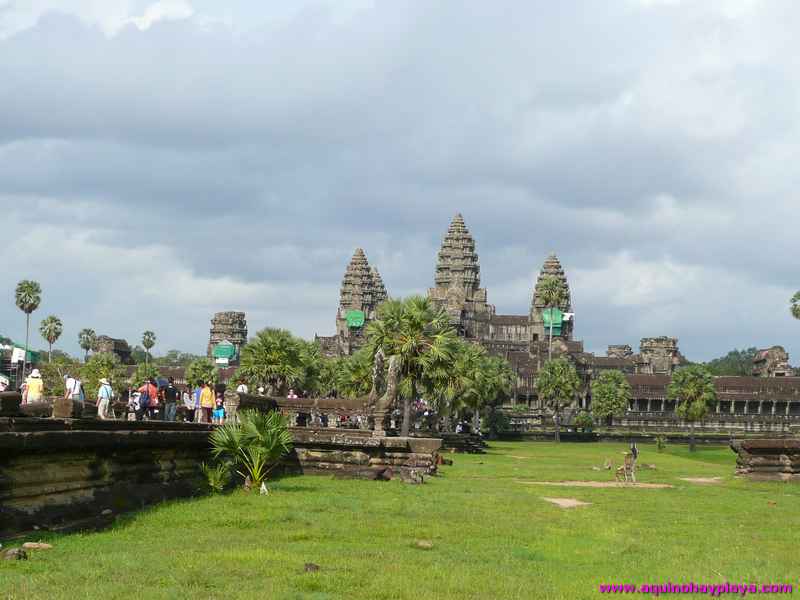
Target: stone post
<point>380,424</point>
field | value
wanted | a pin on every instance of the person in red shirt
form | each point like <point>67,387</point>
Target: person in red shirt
<point>148,400</point>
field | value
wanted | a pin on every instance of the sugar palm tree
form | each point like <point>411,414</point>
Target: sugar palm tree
<point>28,295</point>
<point>557,384</point>
<point>795,307</point>
<point>148,341</point>
<point>273,358</point>
<point>552,294</point>
<point>692,389</point>
<point>419,334</point>
<point>611,394</point>
<point>51,329</point>
<point>87,339</point>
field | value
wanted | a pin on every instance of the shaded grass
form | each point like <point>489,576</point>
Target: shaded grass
<point>492,536</point>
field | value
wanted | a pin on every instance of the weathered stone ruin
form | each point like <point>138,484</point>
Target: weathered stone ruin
<point>116,346</point>
<point>768,459</point>
<point>772,362</point>
<point>228,326</point>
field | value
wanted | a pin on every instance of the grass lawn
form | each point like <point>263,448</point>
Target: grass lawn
<point>493,537</point>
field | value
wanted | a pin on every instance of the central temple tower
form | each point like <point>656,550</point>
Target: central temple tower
<point>458,276</point>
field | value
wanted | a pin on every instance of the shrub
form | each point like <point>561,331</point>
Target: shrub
<point>584,421</point>
<point>217,476</point>
<point>254,444</point>
<point>661,443</point>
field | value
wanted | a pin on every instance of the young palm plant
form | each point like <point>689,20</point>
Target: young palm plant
<point>253,445</point>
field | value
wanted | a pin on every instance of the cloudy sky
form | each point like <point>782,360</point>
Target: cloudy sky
<point>160,161</point>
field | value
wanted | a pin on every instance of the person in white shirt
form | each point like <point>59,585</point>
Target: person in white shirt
<point>242,388</point>
<point>104,394</point>
<point>73,387</point>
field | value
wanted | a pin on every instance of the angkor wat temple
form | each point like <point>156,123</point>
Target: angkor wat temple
<point>772,392</point>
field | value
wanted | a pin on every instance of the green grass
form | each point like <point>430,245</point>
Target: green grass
<point>493,537</point>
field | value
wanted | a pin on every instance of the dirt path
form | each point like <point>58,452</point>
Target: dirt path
<point>599,484</point>
<point>566,502</point>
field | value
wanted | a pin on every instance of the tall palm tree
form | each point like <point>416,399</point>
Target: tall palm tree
<point>552,294</point>
<point>87,339</point>
<point>28,295</point>
<point>692,389</point>
<point>611,394</point>
<point>148,341</point>
<point>557,384</point>
<point>51,329</point>
<point>273,358</point>
<point>419,334</point>
<point>354,374</point>
<point>795,307</point>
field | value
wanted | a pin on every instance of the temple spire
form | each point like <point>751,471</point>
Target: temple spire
<point>552,268</point>
<point>378,287</point>
<point>457,264</point>
<point>357,285</point>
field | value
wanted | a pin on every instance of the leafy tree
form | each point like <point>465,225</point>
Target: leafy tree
<point>611,395</point>
<point>584,421</point>
<point>103,364</point>
<point>311,365</point>
<point>420,334</point>
<point>87,339</point>
<point>274,359</point>
<point>354,374</point>
<point>557,384</point>
<point>138,354</point>
<point>552,294</point>
<point>201,369</point>
<point>28,296</point>
<point>143,372</point>
<point>173,358</point>
<point>51,329</point>
<point>692,389</point>
<point>54,371</point>
<point>253,444</point>
<point>328,380</point>
<point>148,341</point>
<point>734,363</point>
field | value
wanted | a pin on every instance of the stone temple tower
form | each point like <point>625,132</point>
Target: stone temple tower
<point>361,293</point>
<point>458,276</point>
<point>539,330</point>
<point>229,326</point>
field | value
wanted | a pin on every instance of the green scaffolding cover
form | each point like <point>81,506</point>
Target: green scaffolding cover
<point>554,316</point>
<point>355,318</point>
<point>224,350</point>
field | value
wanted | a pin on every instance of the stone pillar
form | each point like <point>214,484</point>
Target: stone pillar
<point>380,424</point>
<point>733,406</point>
<point>648,405</point>
<point>746,406</point>
<point>717,406</point>
<point>788,404</point>
<point>772,411</point>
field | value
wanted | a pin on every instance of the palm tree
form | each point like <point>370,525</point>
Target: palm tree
<point>557,384</point>
<point>611,394</point>
<point>419,334</point>
<point>28,295</point>
<point>552,294</point>
<point>692,389</point>
<point>274,358</point>
<point>87,339</point>
<point>148,341</point>
<point>353,378</point>
<point>795,307</point>
<point>51,329</point>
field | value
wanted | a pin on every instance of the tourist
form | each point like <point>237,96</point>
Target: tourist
<point>242,387</point>
<point>104,395</point>
<point>148,400</point>
<point>218,415</point>
<point>188,407</point>
<point>260,390</point>
<point>291,395</point>
<point>206,402</point>
<point>34,387</point>
<point>72,388</point>
<point>4,383</point>
<point>170,400</point>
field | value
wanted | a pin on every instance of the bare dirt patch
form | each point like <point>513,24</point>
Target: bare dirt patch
<point>600,484</point>
<point>704,480</point>
<point>566,502</point>
<point>520,457</point>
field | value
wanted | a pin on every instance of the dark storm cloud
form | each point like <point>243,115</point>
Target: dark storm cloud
<point>642,141</point>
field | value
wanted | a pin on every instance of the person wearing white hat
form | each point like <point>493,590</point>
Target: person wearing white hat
<point>104,394</point>
<point>34,387</point>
